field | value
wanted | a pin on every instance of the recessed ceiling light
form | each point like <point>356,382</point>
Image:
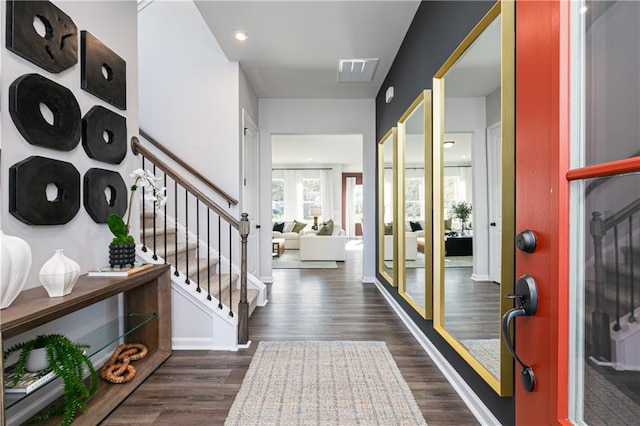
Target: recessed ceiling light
<point>448,144</point>
<point>240,35</point>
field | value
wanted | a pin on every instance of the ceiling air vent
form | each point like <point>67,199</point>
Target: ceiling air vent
<point>357,69</point>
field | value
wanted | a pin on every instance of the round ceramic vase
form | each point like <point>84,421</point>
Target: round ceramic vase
<point>37,360</point>
<point>16,262</point>
<point>59,274</point>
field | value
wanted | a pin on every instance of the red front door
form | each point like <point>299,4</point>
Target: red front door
<point>542,147</point>
<point>577,158</point>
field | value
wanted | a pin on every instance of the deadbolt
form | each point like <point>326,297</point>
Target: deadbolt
<point>526,241</point>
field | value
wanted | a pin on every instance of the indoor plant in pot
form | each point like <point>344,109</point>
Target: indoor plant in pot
<point>122,250</point>
<point>462,210</point>
<point>67,360</point>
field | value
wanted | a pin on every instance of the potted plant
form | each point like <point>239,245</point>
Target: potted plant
<point>122,250</point>
<point>67,360</point>
<point>462,210</point>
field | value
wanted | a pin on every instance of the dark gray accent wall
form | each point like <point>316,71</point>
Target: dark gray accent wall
<point>437,29</point>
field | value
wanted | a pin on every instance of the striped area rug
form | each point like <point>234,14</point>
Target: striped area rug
<point>324,383</point>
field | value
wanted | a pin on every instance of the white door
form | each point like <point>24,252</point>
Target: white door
<point>250,189</point>
<point>494,148</point>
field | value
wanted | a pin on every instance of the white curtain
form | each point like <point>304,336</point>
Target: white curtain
<point>293,191</point>
<point>349,219</point>
<point>326,194</point>
<point>388,195</point>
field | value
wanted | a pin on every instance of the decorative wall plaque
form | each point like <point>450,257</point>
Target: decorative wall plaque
<point>103,72</point>
<point>27,96</point>
<point>104,192</point>
<point>55,48</point>
<point>104,135</point>
<point>31,202</point>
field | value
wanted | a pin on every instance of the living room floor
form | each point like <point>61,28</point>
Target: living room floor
<point>198,387</point>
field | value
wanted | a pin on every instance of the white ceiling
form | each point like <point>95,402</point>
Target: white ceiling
<point>294,46</point>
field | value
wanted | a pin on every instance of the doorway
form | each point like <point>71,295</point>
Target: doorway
<point>250,192</point>
<point>352,205</point>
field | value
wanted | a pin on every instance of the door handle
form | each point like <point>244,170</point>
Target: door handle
<point>526,297</point>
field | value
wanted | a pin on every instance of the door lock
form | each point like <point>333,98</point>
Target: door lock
<point>526,297</point>
<point>526,241</point>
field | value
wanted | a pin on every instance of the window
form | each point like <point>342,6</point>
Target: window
<point>310,196</point>
<point>414,198</point>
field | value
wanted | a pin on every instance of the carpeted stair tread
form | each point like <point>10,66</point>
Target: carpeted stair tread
<point>160,234</point>
<point>252,297</point>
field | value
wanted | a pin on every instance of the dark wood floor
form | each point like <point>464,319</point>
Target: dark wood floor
<point>198,387</point>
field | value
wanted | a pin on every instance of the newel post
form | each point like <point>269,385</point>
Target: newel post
<point>243,306</point>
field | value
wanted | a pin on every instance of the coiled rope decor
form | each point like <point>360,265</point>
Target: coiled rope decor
<point>119,368</point>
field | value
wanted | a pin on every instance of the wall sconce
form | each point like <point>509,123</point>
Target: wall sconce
<point>448,144</point>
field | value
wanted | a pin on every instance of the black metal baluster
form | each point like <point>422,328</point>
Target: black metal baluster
<point>186,233</point>
<point>208,254</point>
<point>617,327</point>
<point>632,317</point>
<point>144,219</point>
<point>230,274</point>
<point>155,249</point>
<point>175,196</point>
<point>165,218</point>
<point>198,289</point>
<point>219,262</point>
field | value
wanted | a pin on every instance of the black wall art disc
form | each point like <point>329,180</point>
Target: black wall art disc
<point>43,34</point>
<point>104,73</point>
<point>43,191</point>
<point>29,96</point>
<point>104,193</point>
<point>104,135</point>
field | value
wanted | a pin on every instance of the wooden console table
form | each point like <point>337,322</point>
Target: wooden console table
<point>147,292</point>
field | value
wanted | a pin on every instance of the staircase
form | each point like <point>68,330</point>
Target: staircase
<point>212,296</point>
<point>613,299</point>
<point>203,271</point>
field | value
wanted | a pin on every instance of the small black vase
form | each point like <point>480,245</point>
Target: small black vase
<point>122,254</point>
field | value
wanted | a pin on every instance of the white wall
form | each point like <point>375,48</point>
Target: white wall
<point>319,116</point>
<point>190,93</point>
<point>83,240</point>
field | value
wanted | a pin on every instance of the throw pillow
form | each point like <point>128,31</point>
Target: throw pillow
<point>298,226</point>
<point>327,228</point>
<point>447,224</point>
<point>388,228</point>
<point>415,226</point>
<point>278,226</point>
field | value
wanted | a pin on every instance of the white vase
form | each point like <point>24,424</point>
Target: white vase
<point>16,262</point>
<point>37,360</point>
<point>59,274</point>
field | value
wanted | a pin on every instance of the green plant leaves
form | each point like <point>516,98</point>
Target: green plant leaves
<point>117,225</point>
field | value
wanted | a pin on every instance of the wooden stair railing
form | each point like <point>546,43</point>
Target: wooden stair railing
<point>242,227</point>
<point>601,337</point>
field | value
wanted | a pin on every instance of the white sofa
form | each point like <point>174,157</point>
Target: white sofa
<point>323,247</point>
<point>290,238</point>
<point>410,248</point>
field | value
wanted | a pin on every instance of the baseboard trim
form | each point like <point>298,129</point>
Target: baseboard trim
<point>469,397</point>
<point>368,280</point>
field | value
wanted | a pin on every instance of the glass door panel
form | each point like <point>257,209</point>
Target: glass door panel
<point>604,365</point>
